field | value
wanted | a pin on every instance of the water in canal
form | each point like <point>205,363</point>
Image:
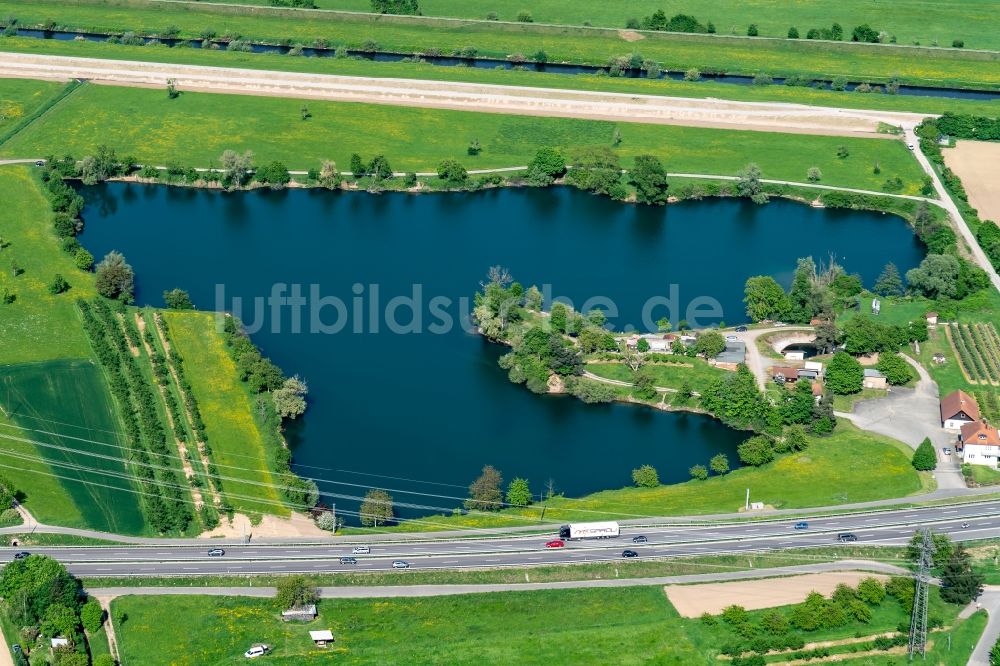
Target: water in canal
<point>408,402</point>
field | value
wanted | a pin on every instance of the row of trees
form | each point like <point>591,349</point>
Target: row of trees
<point>164,503</point>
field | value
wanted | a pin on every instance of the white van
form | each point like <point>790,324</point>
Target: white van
<point>255,651</point>
<point>361,550</point>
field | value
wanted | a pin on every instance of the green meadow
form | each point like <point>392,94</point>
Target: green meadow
<point>908,20</point>
<point>941,67</point>
<point>423,70</point>
<point>196,128</point>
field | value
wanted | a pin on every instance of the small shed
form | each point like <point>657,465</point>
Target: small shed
<point>795,355</point>
<point>806,373</point>
<point>300,613</point>
<point>59,643</point>
<point>815,365</point>
<point>782,375</point>
<point>321,638</point>
<point>932,318</point>
<point>874,379</point>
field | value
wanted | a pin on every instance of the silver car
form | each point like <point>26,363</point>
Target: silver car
<point>400,564</point>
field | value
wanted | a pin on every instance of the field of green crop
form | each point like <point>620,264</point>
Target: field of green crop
<point>586,45</point>
<point>20,98</point>
<point>421,70</point>
<point>66,404</point>
<point>196,128</point>
<point>908,20</point>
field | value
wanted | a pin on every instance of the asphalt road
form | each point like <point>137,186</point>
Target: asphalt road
<point>883,528</point>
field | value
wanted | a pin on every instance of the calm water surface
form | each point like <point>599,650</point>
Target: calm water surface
<point>431,408</point>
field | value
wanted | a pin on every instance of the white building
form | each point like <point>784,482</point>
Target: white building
<point>980,444</point>
<point>957,409</point>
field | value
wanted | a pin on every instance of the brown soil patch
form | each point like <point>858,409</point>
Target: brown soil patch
<point>977,163</point>
<point>297,525</point>
<point>693,600</point>
<point>630,35</point>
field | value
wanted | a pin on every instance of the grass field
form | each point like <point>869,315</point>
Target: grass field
<point>20,98</point>
<point>908,20</point>
<point>225,405</point>
<point>366,68</point>
<point>196,128</point>
<point>677,52</point>
<point>616,625</point>
<point>70,402</point>
<point>37,326</point>
<point>671,376</point>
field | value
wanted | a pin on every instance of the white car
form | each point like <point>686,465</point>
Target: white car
<point>780,323</point>
<point>256,651</point>
<point>361,550</point>
<point>946,450</point>
<point>911,146</point>
<point>400,564</point>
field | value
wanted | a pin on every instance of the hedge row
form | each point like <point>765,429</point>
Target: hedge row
<point>165,507</point>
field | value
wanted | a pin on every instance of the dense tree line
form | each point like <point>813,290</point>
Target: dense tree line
<point>265,378</point>
<point>408,7</point>
<point>676,23</point>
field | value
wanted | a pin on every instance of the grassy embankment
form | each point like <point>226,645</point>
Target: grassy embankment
<point>941,67</point>
<point>849,466</point>
<point>909,20</point>
<point>234,434</point>
<point>20,99</point>
<point>624,625</point>
<point>418,70</point>
<point>197,127</point>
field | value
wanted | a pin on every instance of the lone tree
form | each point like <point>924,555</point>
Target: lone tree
<point>748,183</point>
<point>710,344</point>
<point>294,591</point>
<point>924,458</point>
<point>178,299</point>
<point>844,375</point>
<point>960,583</point>
<point>650,180</point>
<point>547,165</point>
<point>484,492</point>
<point>377,508</point>
<point>115,278</point>
<point>290,399</point>
<point>719,463</point>
<point>518,492</point>
<point>889,282</point>
<point>236,168</point>
<point>646,477</point>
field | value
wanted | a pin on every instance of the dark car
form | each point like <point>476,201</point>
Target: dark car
<point>39,162</point>
<point>847,536</point>
<point>803,525</point>
<point>21,555</point>
<point>348,560</point>
<point>216,552</point>
<point>16,648</point>
<point>741,329</point>
<point>639,539</point>
<point>629,553</point>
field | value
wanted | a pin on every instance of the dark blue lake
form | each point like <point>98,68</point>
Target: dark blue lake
<point>422,412</point>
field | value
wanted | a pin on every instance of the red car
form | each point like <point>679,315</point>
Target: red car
<point>555,543</point>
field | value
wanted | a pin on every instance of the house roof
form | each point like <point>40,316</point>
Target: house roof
<point>322,635</point>
<point>787,373</point>
<point>817,388</point>
<point>932,314</point>
<point>736,352</point>
<point>872,372</point>
<point>957,402</point>
<point>980,432</point>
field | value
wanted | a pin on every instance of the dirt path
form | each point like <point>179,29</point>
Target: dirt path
<point>109,625</point>
<point>761,116</point>
<point>977,163</point>
<point>199,445</point>
<point>693,600</point>
<point>181,446</point>
<point>6,659</point>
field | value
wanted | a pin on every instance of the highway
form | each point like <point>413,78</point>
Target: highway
<point>894,527</point>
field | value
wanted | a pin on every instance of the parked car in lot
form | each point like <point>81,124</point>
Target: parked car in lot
<point>847,536</point>
<point>639,539</point>
<point>20,555</point>
<point>555,543</point>
<point>400,564</point>
<point>802,525</point>
<point>256,651</point>
<point>348,560</point>
<point>629,553</point>
<point>361,550</point>
<point>741,329</point>
<point>216,552</point>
